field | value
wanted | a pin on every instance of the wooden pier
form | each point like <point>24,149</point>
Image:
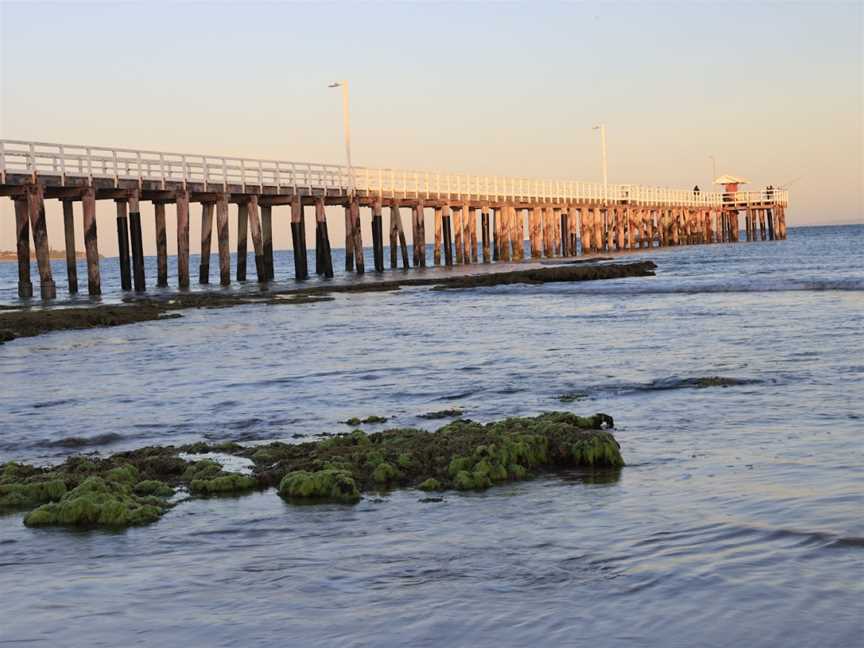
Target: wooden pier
<point>564,218</point>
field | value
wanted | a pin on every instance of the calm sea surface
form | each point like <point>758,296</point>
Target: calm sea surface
<point>739,520</point>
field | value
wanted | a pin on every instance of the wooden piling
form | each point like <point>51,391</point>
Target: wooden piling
<point>484,232</point>
<point>257,243</point>
<point>506,225</point>
<point>496,233</point>
<point>473,231</point>
<point>436,250</point>
<point>206,236</point>
<point>222,239</point>
<point>161,245</point>
<point>298,239</point>
<point>182,205</point>
<point>357,235</point>
<point>420,240</point>
<point>91,246</point>
<point>585,229</point>
<point>397,232</point>
<point>457,232</point>
<point>349,238</point>
<point>377,235</point>
<point>22,247</point>
<point>447,235</point>
<point>136,239</point>
<point>565,244</point>
<point>242,238</point>
<point>69,238</point>
<point>324,239</point>
<point>534,229</point>
<point>467,216</point>
<point>36,209</point>
<point>267,240</point>
<point>123,245</point>
<point>572,225</point>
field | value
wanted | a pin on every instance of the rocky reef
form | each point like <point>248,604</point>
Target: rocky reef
<point>139,486</point>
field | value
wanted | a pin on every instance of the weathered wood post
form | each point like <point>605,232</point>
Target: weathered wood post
<point>161,245</point>
<point>69,238</point>
<point>436,250</point>
<point>781,215</point>
<point>585,229</point>
<point>123,244</point>
<point>206,237</point>
<point>447,233</point>
<point>457,232</point>
<point>242,238</point>
<point>473,230</point>
<point>562,228</point>
<point>484,232</point>
<point>420,236</point>
<point>770,218</point>
<point>357,235</point>
<point>496,233</point>
<point>597,229</point>
<point>267,239</point>
<point>349,238</point>
<point>257,243</point>
<point>324,239</point>
<point>467,216</point>
<point>397,231</point>
<point>571,230</point>
<point>22,247</point>
<point>222,239</point>
<point>36,209</point>
<point>506,226</point>
<point>534,231</point>
<point>377,235</point>
<point>182,205</point>
<point>298,238</point>
<point>91,245</point>
<point>137,241</point>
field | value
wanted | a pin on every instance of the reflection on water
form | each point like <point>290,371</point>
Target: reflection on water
<point>736,521</point>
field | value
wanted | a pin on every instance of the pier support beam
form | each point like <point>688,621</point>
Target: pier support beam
<point>436,249</point>
<point>419,234</point>
<point>69,238</point>
<point>242,239</point>
<point>123,245</point>
<point>484,233</point>
<point>91,245</point>
<point>161,245</point>
<point>182,205</point>
<point>377,236</point>
<point>349,238</point>
<point>36,209</point>
<point>457,232</point>
<point>468,255</point>
<point>222,240</point>
<point>323,239</point>
<point>473,230</point>
<point>534,231</point>
<point>137,242</point>
<point>357,236</point>
<point>298,241</point>
<point>22,247</point>
<point>447,235</point>
<point>496,233</point>
<point>397,233</point>
<point>267,240</point>
<point>206,236</point>
<point>257,243</point>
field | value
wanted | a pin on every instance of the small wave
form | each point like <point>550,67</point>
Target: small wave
<point>52,403</point>
<point>81,442</point>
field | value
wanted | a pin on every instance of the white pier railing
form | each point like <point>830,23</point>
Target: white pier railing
<point>214,172</point>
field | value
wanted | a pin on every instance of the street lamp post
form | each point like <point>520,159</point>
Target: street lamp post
<point>346,127</point>
<point>602,129</point>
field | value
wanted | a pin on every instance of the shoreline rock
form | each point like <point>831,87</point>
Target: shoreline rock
<point>134,487</point>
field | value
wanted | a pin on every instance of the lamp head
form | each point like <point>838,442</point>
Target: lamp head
<point>335,84</point>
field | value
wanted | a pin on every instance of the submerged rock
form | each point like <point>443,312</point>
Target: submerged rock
<point>442,414</point>
<point>130,488</point>
<point>98,503</point>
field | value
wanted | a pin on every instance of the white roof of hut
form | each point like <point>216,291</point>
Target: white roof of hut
<point>730,179</point>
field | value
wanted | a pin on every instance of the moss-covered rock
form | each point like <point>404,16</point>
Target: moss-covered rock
<point>222,485</point>
<point>385,473</point>
<point>430,484</point>
<point>330,484</point>
<point>153,487</point>
<point>16,496</point>
<point>369,420</point>
<point>96,503</point>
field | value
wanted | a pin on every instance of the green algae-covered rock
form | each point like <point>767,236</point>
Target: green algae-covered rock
<point>127,474</point>
<point>222,485</point>
<point>15,496</point>
<point>96,503</point>
<point>385,473</point>
<point>330,484</point>
<point>153,487</point>
<point>430,484</point>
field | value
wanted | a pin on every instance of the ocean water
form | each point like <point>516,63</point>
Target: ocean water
<point>739,519</point>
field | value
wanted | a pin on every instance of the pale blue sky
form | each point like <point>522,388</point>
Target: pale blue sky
<point>773,90</point>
